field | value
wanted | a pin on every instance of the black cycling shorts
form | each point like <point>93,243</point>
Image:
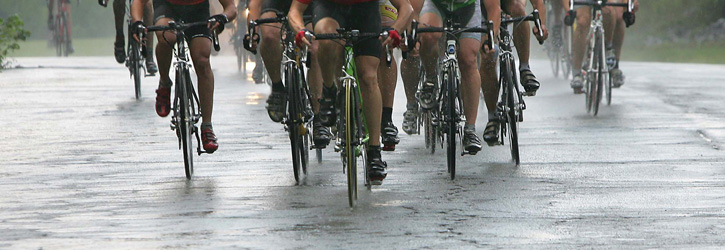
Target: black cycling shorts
<point>362,16</point>
<point>282,6</point>
<point>186,14</point>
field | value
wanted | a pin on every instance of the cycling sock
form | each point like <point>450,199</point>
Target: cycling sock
<point>524,66</point>
<point>119,37</point>
<point>373,152</point>
<point>329,92</point>
<point>387,115</point>
<point>206,125</point>
<point>412,106</point>
<point>491,115</point>
<point>165,84</point>
<point>469,128</point>
<point>278,87</point>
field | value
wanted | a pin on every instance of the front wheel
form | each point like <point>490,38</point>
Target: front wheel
<point>349,137</point>
<point>135,66</point>
<point>451,123</point>
<point>185,122</point>
<point>512,119</point>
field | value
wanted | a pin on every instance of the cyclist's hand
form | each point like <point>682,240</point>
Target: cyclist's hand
<point>303,38</point>
<point>137,27</point>
<point>544,33</point>
<point>628,18</point>
<point>570,18</point>
<point>217,22</point>
<point>489,53</point>
<point>393,39</point>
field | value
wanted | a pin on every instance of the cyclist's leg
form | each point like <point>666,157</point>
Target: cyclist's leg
<point>51,25</point>
<point>429,51</point>
<point>326,21</point>
<point>583,20</point>
<point>387,79</point>
<point>69,28</point>
<point>321,134</point>
<point>522,36</point>
<point>148,19</point>
<point>409,71</point>
<point>200,48</point>
<point>618,40</point>
<point>271,50</point>
<point>119,12</point>
<point>162,15</point>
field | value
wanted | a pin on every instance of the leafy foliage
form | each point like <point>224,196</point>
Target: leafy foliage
<point>11,31</point>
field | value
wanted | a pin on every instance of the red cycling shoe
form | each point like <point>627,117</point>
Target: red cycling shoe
<point>163,101</point>
<point>208,140</point>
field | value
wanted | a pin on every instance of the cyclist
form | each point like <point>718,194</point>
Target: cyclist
<point>119,11</point>
<point>466,13</point>
<point>615,45</point>
<point>51,24</point>
<point>583,17</point>
<point>271,51</point>
<point>492,10</point>
<point>363,15</point>
<point>199,40</point>
<point>409,70</point>
<point>388,79</point>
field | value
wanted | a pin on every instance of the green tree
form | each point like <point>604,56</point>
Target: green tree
<point>11,31</point>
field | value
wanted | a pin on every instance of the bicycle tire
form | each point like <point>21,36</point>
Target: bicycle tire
<point>512,119</point>
<point>135,58</point>
<point>185,121</point>
<point>451,125</point>
<point>58,35</point>
<point>608,87</point>
<point>66,35</point>
<point>599,62</point>
<point>349,151</point>
<point>294,121</point>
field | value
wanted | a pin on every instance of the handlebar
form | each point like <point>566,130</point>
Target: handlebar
<point>628,15</point>
<point>487,28</point>
<point>534,17</point>
<point>252,31</point>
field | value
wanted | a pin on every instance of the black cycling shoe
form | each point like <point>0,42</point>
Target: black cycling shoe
<point>376,166</point>
<point>528,80</point>
<point>426,96</point>
<point>490,135</point>
<point>320,135</point>
<point>151,67</point>
<point>119,52</point>
<point>390,136</point>
<point>471,142</point>
<point>276,105</point>
<point>327,107</point>
<point>258,74</point>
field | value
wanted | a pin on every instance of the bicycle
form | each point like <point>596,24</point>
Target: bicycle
<point>61,31</point>
<point>448,113</point>
<point>298,122</point>
<point>596,70</point>
<point>186,109</point>
<point>352,134</point>
<point>511,103</point>
<point>238,31</point>
<point>559,49</point>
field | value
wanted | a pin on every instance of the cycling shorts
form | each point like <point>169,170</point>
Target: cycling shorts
<point>282,6</point>
<point>470,15</point>
<point>364,17</point>
<point>186,14</point>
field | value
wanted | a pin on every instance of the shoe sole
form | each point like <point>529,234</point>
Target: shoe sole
<point>388,146</point>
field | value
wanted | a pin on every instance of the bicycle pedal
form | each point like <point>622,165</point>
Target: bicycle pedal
<point>530,93</point>
<point>376,182</point>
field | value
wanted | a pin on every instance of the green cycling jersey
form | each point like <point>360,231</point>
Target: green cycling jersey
<point>453,5</point>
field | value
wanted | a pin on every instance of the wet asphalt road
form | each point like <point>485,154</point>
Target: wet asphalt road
<point>85,165</point>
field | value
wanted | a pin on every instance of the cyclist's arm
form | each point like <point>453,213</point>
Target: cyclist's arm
<point>230,9</point>
<point>539,5</point>
<point>295,14</point>
<point>255,9</point>
<point>405,13</point>
<point>493,12</point>
<point>137,10</point>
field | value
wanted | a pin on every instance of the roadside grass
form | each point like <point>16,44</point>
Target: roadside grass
<point>82,46</point>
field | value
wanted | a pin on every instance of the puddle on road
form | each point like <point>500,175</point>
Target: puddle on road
<point>253,98</point>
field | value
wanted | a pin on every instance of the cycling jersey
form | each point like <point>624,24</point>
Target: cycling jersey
<point>185,2</point>
<point>453,5</point>
<point>341,2</point>
<point>388,10</point>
